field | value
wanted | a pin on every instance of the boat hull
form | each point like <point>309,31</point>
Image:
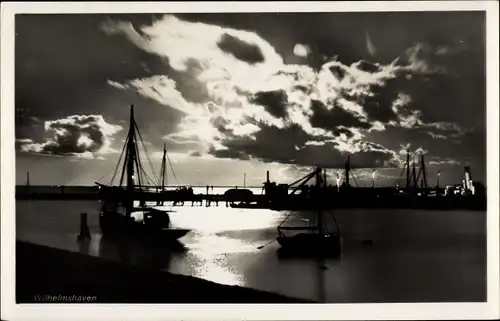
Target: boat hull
<point>120,226</point>
<point>309,244</point>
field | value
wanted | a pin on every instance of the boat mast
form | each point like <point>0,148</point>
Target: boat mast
<point>407,169</point>
<point>131,159</point>
<point>414,176</point>
<point>164,167</point>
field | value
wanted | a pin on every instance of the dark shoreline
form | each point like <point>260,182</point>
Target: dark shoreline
<point>48,275</point>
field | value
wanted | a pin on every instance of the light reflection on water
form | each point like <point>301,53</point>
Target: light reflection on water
<point>210,262</point>
<point>209,246</point>
<point>416,256</point>
<point>215,219</point>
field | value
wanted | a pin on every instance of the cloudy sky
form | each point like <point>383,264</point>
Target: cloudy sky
<point>250,92</point>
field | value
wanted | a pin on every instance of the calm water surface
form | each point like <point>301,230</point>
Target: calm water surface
<point>416,256</point>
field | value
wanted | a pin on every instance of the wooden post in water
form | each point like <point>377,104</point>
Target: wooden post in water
<point>207,201</point>
<point>84,228</point>
<point>28,190</point>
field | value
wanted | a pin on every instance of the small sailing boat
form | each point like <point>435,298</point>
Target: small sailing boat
<point>314,239</point>
<point>119,217</point>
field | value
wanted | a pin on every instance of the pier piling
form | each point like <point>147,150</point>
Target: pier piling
<point>84,228</point>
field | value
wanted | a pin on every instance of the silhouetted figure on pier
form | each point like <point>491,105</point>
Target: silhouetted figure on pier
<point>179,197</point>
<point>197,199</point>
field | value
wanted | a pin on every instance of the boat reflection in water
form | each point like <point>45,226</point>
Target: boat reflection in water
<point>140,254</point>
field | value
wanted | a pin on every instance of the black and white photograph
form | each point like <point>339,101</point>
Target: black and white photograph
<point>234,156</point>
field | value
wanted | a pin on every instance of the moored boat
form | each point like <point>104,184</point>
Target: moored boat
<point>119,217</point>
<point>313,240</point>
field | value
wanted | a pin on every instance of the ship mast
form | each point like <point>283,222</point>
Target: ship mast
<point>407,170</point>
<point>129,163</point>
<point>164,167</point>
<point>131,159</point>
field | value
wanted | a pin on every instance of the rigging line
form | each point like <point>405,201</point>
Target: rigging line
<point>101,178</point>
<point>146,152</point>
<point>138,132</point>
<point>143,171</point>
<point>354,177</point>
<point>115,170</point>
<point>398,180</point>
<point>149,180</point>
<point>117,166</point>
<point>139,179</point>
<point>402,172</point>
<point>137,160</point>
<point>138,164</point>
<point>336,224</point>
<point>285,219</point>
<point>172,168</point>
<point>418,176</point>
<point>153,169</point>
<point>124,165</point>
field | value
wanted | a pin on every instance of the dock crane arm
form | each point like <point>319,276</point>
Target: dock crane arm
<point>304,180</point>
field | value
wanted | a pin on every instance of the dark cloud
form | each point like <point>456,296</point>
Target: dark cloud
<point>195,154</point>
<point>329,156</point>
<point>331,119</point>
<point>458,149</point>
<point>342,131</point>
<point>378,105</point>
<point>275,102</point>
<point>188,84</point>
<point>338,71</point>
<point>230,153</point>
<point>449,81</point>
<point>367,66</point>
<point>73,136</point>
<point>271,144</point>
<point>181,145</point>
<point>373,159</point>
<point>240,49</point>
<point>220,123</point>
<point>27,126</point>
<point>293,145</point>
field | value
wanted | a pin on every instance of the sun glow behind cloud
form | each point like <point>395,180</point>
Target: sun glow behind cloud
<point>254,98</point>
<point>257,108</point>
<point>237,90</point>
<point>301,50</point>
